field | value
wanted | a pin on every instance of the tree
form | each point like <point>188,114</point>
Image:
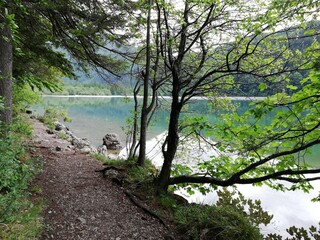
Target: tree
<point>6,55</point>
<point>151,78</point>
<point>44,31</point>
<point>144,109</point>
<point>205,44</point>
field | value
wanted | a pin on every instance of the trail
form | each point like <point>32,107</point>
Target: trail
<point>79,203</point>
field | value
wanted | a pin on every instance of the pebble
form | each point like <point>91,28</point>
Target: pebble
<point>82,220</point>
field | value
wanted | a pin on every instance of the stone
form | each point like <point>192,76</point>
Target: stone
<point>82,220</point>
<point>102,150</point>
<point>58,148</point>
<point>79,143</point>
<point>112,141</point>
<point>59,126</point>
<point>49,131</point>
<point>85,150</point>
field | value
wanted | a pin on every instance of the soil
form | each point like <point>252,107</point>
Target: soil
<point>79,202</point>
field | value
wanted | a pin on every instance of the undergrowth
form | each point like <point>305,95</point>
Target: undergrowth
<point>53,114</point>
<point>232,217</point>
<point>18,215</point>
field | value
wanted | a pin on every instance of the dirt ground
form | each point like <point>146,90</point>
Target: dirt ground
<point>79,202</point>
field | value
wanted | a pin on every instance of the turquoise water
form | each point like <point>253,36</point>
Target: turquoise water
<point>93,117</point>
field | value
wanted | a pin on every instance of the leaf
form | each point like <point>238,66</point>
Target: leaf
<point>262,86</point>
<point>292,87</point>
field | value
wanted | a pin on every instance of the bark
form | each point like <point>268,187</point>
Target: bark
<point>170,146</point>
<point>144,110</point>
<point>133,142</point>
<point>6,59</point>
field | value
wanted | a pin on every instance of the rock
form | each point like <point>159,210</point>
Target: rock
<point>85,150</point>
<point>79,143</point>
<point>58,148</point>
<point>59,126</point>
<point>102,150</point>
<point>112,141</point>
<point>49,131</point>
<point>82,220</point>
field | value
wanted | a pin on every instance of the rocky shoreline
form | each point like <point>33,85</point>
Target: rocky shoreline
<point>110,142</point>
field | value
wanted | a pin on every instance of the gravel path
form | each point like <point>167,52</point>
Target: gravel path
<point>80,204</point>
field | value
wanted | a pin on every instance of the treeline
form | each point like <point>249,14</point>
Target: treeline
<point>91,89</point>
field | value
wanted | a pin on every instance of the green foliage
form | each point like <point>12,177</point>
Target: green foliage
<point>251,208</point>
<point>297,234</point>
<point>25,224</point>
<point>134,173</point>
<point>24,97</point>
<point>16,171</point>
<point>232,217</point>
<point>215,222</point>
<point>301,233</point>
<point>140,174</point>
<point>109,161</point>
<point>53,114</point>
<point>253,148</point>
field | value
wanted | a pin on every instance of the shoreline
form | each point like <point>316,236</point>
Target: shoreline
<point>161,97</point>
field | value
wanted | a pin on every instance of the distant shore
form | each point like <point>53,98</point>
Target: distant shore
<point>164,97</point>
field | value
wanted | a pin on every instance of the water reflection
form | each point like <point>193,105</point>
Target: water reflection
<point>94,117</point>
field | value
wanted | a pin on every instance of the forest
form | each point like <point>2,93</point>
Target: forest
<point>181,50</point>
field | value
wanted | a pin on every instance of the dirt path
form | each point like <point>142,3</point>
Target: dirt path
<point>80,204</point>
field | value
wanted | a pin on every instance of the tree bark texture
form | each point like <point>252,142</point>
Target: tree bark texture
<point>170,146</point>
<point>6,59</point>
<point>144,110</point>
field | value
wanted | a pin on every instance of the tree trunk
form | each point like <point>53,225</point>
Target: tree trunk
<point>134,133</point>
<point>6,66</point>
<point>144,110</point>
<point>170,146</point>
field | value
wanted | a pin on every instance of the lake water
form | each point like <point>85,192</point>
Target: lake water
<point>93,117</point>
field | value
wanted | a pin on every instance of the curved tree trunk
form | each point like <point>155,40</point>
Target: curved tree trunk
<point>6,65</point>
<point>170,146</point>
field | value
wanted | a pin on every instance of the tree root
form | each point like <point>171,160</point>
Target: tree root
<point>107,168</point>
<point>148,211</point>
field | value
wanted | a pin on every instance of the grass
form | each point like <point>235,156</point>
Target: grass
<point>25,224</point>
<point>19,216</point>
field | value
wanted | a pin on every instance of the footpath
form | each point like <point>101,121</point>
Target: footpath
<point>79,202</point>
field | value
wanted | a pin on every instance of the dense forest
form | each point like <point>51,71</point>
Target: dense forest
<point>186,50</point>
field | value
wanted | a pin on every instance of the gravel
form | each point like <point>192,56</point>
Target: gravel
<point>79,203</point>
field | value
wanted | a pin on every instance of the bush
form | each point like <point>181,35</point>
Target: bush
<point>51,115</point>
<point>16,169</point>
<point>215,223</point>
<point>232,217</point>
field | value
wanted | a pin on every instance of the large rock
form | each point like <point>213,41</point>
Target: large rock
<point>112,141</point>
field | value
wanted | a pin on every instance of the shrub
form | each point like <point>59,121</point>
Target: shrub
<point>232,217</point>
<point>16,169</point>
<point>215,222</point>
<point>51,115</point>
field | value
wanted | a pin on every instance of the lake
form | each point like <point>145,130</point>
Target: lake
<point>93,117</point>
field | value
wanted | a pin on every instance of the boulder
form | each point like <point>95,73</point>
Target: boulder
<point>112,141</point>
